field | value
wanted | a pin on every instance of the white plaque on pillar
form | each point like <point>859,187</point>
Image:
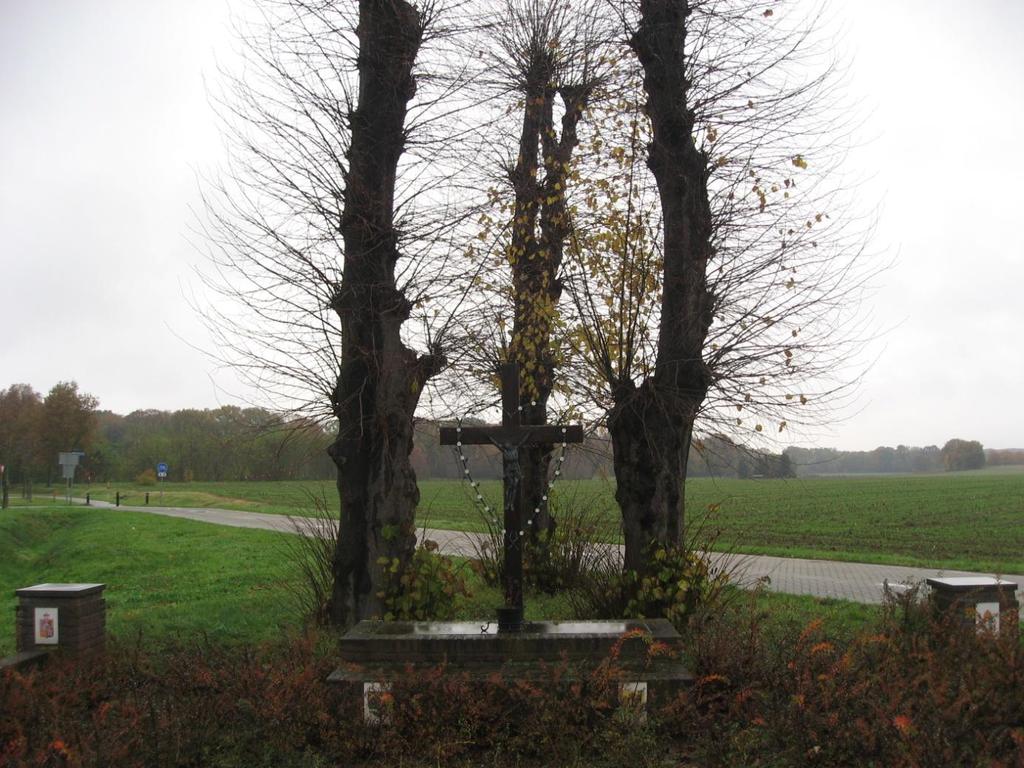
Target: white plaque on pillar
<point>988,617</point>
<point>376,698</point>
<point>46,626</point>
<point>633,697</point>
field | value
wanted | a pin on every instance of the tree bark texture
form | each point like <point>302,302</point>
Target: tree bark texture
<point>380,379</point>
<point>540,227</point>
<point>651,425</point>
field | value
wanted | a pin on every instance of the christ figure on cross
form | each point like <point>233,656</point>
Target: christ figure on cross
<point>509,436</point>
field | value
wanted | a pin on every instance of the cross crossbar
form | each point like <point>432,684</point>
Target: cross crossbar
<point>518,435</point>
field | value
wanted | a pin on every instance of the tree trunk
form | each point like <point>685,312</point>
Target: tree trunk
<point>380,379</point>
<point>652,425</point>
<point>541,225</point>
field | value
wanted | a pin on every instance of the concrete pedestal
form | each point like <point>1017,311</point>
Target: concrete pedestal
<point>376,654</point>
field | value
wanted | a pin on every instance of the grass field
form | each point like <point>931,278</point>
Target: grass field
<point>179,580</point>
<point>165,577</point>
<point>968,520</point>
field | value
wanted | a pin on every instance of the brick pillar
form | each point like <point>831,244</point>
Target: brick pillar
<point>963,599</point>
<point>72,617</point>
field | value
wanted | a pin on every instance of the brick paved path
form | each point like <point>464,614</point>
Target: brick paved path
<point>859,582</point>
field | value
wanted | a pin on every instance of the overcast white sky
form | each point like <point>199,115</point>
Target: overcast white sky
<point>105,122</point>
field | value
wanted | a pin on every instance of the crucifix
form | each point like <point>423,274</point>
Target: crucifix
<point>509,437</point>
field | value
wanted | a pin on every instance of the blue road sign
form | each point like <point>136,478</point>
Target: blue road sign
<point>161,469</point>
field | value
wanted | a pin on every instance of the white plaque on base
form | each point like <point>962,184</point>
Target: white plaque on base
<point>46,626</point>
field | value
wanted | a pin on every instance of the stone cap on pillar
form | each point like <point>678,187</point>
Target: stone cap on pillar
<point>60,590</point>
<point>970,583</point>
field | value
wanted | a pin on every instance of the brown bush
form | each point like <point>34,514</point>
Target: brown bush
<point>900,693</point>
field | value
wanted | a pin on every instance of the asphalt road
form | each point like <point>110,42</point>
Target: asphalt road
<point>859,582</point>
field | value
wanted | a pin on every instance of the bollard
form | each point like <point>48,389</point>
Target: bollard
<point>117,498</point>
<point>147,497</point>
<point>87,499</point>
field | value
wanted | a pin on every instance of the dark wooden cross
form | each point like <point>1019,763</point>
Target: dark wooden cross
<point>509,437</point>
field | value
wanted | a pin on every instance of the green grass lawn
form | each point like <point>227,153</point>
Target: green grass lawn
<point>966,520</point>
<point>170,579</point>
<point>166,578</point>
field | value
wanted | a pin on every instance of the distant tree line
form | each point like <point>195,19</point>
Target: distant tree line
<point>34,429</point>
<point>712,456</point>
<point>226,443</point>
<point>232,443</point>
<point>1004,457</point>
<point>955,455</point>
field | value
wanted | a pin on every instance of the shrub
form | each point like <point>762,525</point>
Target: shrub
<point>273,707</point>
<point>146,477</point>
<point>895,695</point>
<point>557,560</point>
<point>681,581</point>
<point>906,691</point>
<point>312,552</point>
<point>427,589</point>
<point>678,582</point>
<point>560,559</point>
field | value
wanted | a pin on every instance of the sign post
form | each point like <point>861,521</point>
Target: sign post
<point>68,461</point>
<point>161,477</point>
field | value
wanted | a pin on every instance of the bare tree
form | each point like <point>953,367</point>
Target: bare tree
<point>331,230</point>
<point>550,59</point>
<point>717,287</point>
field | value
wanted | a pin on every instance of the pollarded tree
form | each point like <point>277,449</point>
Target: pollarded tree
<point>549,57</point>
<point>714,287</point>
<point>328,234</point>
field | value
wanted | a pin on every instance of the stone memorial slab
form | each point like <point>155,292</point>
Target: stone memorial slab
<point>375,654</point>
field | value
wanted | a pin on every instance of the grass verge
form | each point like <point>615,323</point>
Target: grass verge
<point>170,579</point>
<point>165,578</point>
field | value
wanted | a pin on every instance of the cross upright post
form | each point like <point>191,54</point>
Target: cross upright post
<point>508,438</point>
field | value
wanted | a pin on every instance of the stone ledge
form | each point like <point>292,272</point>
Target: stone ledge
<point>469,642</point>
<point>540,671</point>
<point>69,591</point>
<point>23,659</point>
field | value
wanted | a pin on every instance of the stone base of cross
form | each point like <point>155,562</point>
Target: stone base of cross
<point>509,437</point>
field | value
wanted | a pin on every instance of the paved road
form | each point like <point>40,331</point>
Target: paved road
<point>860,582</point>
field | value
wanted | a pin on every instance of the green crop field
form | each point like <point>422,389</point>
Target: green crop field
<point>967,520</point>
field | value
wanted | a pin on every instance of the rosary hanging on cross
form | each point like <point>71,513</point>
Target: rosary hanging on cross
<point>509,437</point>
